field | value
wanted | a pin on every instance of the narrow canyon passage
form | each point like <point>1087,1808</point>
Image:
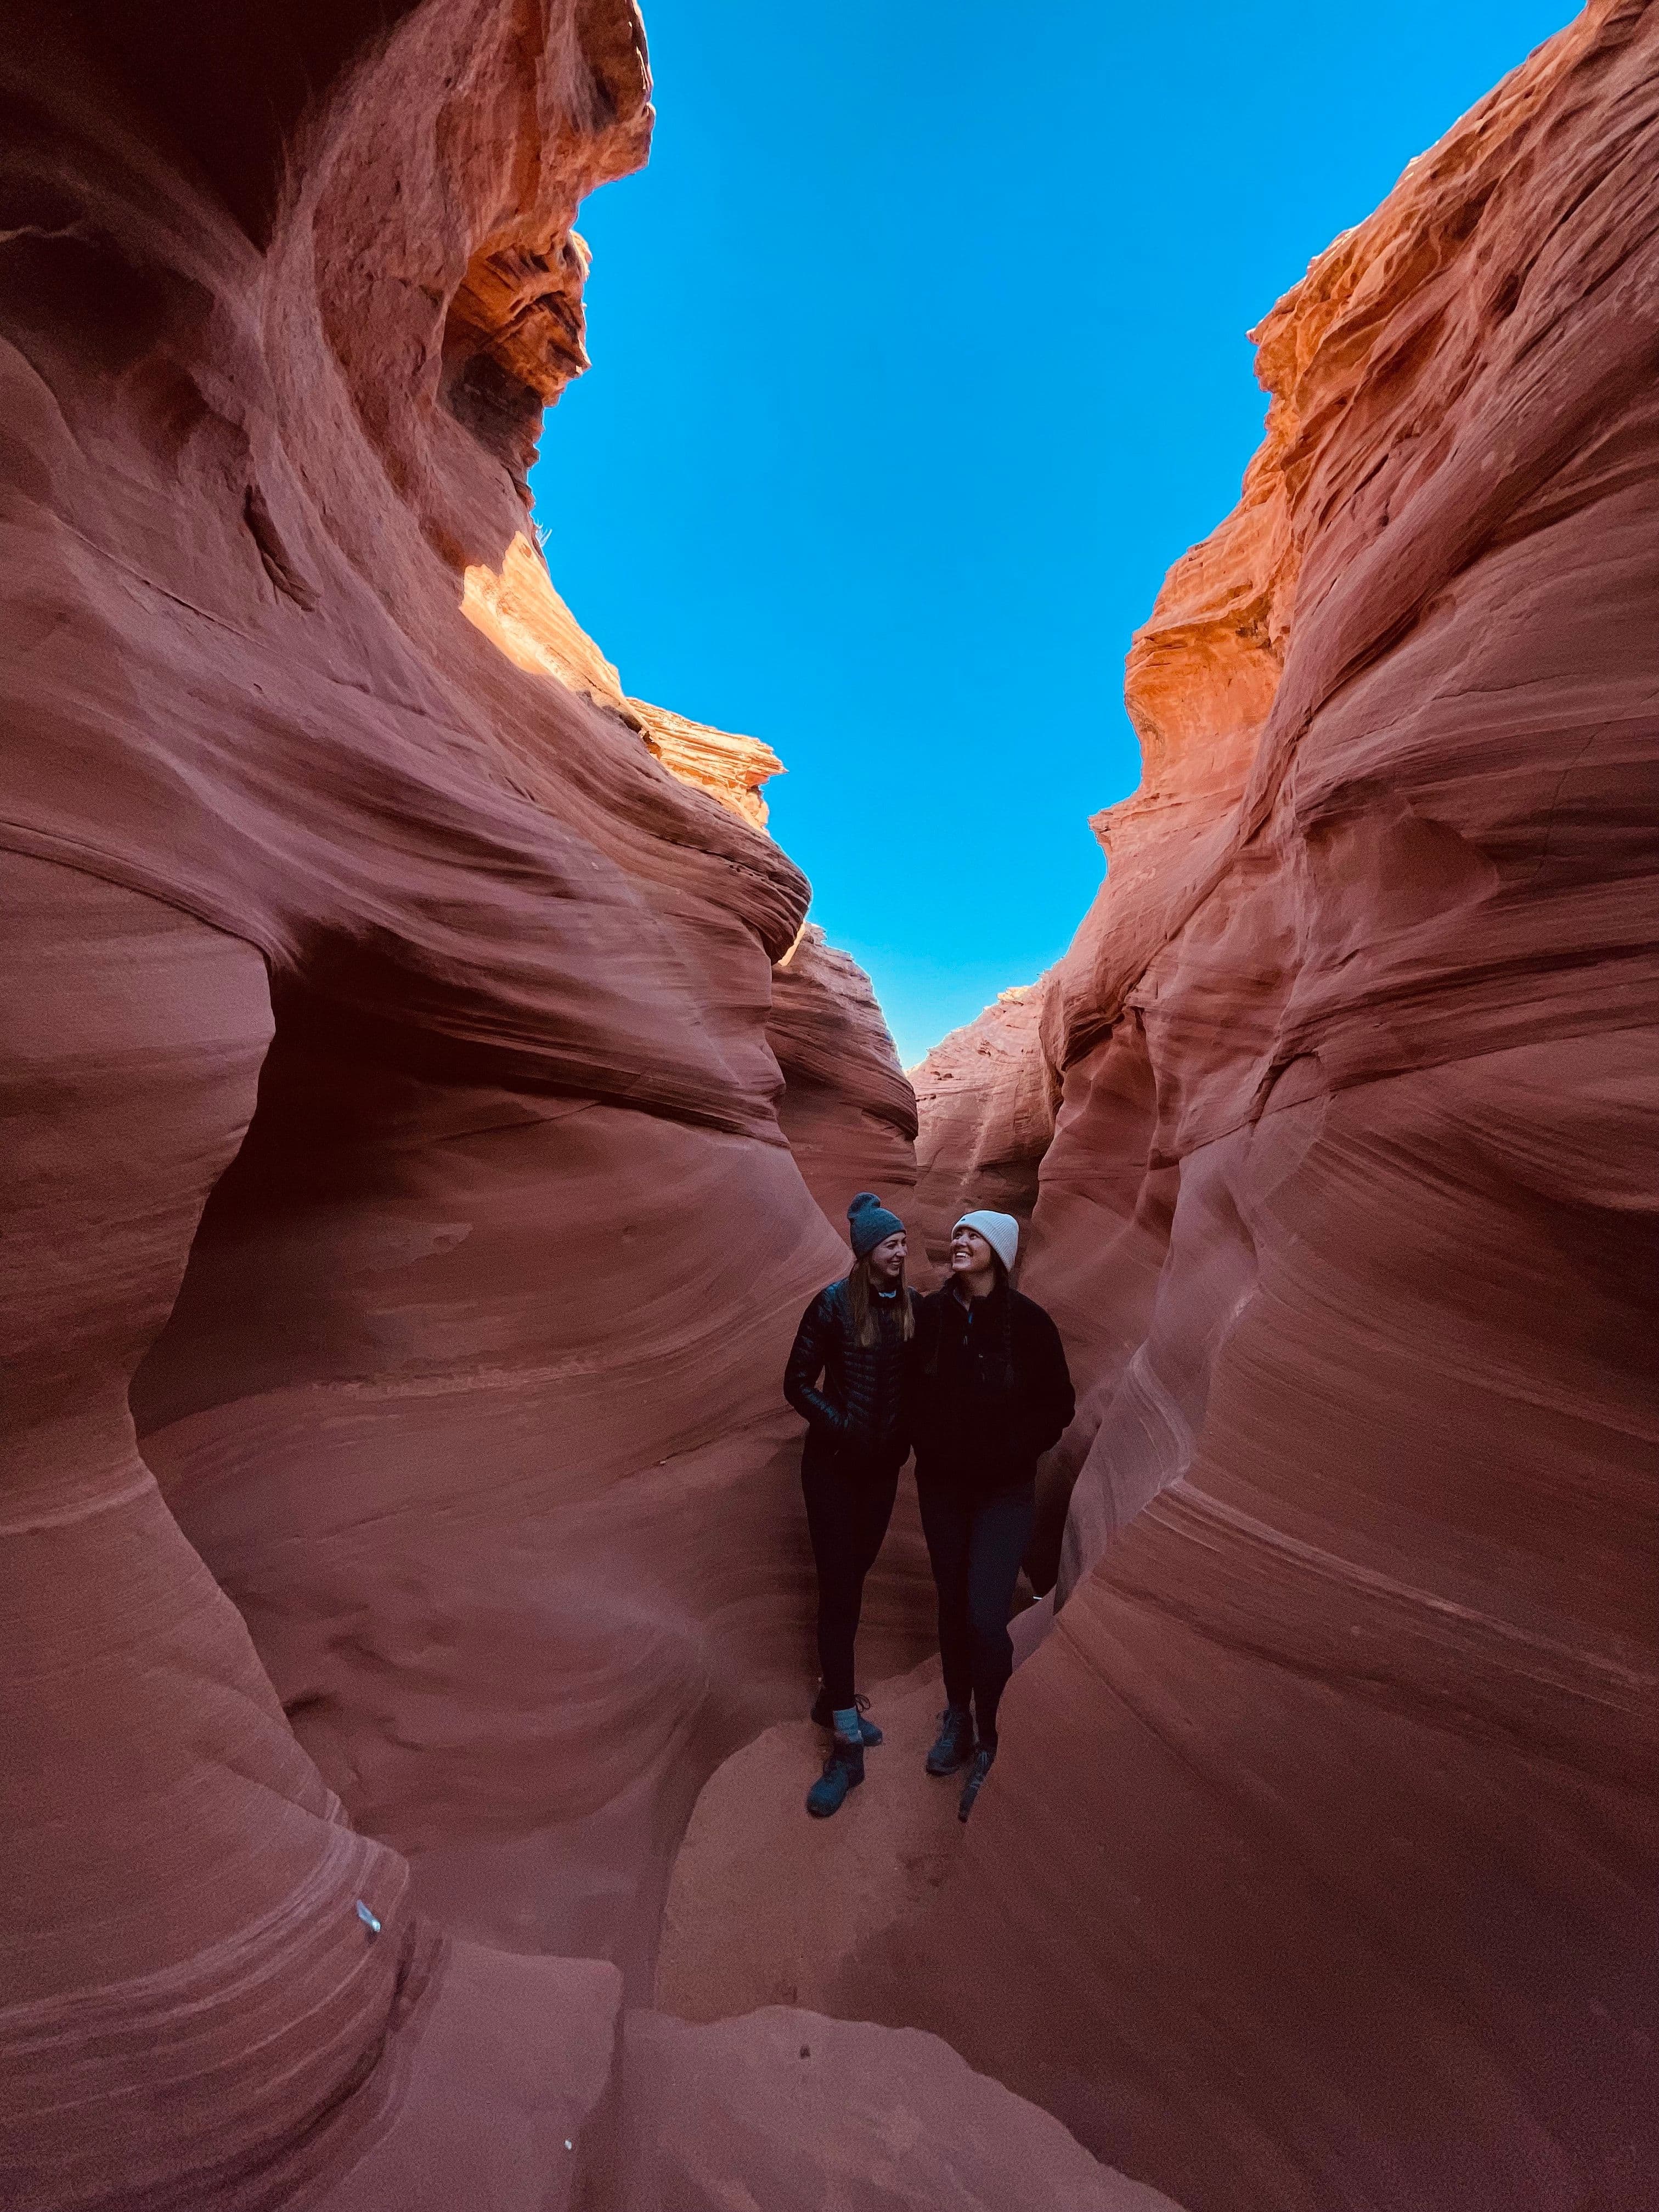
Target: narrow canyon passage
<point>430,1108</point>
<point>520,1541</point>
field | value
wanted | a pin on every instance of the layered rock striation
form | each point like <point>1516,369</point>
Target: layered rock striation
<point>1311,1873</point>
<point>399,1508</point>
<point>425,1099</point>
<point>847,1109</point>
<point>519,609</point>
<point>985,1106</point>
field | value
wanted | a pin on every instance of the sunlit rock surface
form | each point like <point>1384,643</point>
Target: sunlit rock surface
<point>1316,1869</point>
<point>476,1542</point>
<point>392,1049</point>
<point>519,610</point>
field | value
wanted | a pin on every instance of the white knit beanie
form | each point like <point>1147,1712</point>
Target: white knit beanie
<point>999,1230</point>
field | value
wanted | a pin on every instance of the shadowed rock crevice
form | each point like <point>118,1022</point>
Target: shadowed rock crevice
<point>431,1110</point>
<point>513,342</point>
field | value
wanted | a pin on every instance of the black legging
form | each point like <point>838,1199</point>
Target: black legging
<point>975,1545</point>
<point>849,1502</point>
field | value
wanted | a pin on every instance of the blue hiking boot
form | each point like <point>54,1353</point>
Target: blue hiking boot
<point>825,1718</point>
<point>953,1747</point>
<point>976,1774</point>
<point>842,1770</point>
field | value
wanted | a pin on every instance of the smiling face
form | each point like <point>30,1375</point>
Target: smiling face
<point>972,1261</point>
<point>886,1261</point>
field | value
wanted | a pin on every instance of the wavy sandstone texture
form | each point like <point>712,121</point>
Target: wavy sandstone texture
<point>388,1092</point>
<point>986,1112</point>
<point>519,610</point>
<point>1316,1871</point>
<point>848,1110</point>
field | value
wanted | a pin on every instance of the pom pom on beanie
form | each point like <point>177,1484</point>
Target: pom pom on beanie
<point>870,1224</point>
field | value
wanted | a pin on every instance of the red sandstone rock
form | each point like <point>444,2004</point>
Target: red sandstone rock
<point>788,2110</point>
<point>848,1110</point>
<point>521,612</point>
<point>468,1398</point>
<point>510,2092</point>
<point>1311,1869</point>
<point>734,1934</point>
<point>985,1101</point>
<point>185,1983</point>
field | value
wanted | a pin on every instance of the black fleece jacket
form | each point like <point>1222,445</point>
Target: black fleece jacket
<point>860,1409</point>
<point>986,1390</point>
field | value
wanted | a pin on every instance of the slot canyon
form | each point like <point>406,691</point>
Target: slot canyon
<point>428,1108</point>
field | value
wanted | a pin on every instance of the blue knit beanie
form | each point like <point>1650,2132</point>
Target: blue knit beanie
<point>871,1224</point>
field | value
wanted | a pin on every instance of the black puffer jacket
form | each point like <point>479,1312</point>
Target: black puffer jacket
<point>986,1390</point>
<point>860,1410</point>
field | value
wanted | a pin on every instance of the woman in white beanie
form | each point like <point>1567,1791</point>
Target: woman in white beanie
<point>987,1393</point>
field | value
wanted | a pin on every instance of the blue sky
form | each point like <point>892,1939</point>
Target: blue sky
<point>919,356</point>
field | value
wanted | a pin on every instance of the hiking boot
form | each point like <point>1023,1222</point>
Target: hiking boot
<point>953,1747</point>
<point>825,1716</point>
<point>842,1770</point>
<point>976,1774</point>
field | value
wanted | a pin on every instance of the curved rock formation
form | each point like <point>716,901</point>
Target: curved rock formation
<point>1312,1871</point>
<point>985,1110</point>
<point>392,1050</point>
<point>848,1110</point>
<point>791,2110</point>
<point>455,1001</point>
<point>520,611</point>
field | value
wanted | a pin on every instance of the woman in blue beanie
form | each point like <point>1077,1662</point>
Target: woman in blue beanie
<point>845,1377</point>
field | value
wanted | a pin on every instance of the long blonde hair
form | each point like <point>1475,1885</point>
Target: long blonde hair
<point>867,1325</point>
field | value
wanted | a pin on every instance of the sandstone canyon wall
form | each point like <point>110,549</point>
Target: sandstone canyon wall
<point>847,1111</point>
<point>1317,1869</point>
<point>518,607</point>
<point>985,1101</point>
<point>393,1018</point>
<point>390,1103</point>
